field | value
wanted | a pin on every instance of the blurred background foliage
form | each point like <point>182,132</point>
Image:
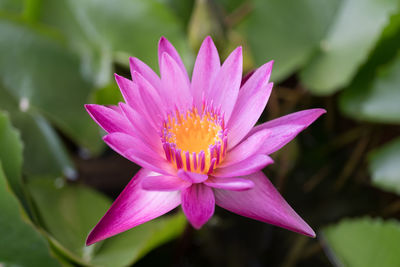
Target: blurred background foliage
<point>342,175</point>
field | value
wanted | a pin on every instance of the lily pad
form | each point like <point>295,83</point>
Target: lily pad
<point>20,243</point>
<point>44,153</point>
<point>38,69</point>
<point>354,32</point>
<point>11,154</point>
<point>363,242</point>
<point>105,30</point>
<point>384,166</point>
<point>379,102</point>
<point>11,6</point>
<point>69,212</point>
<point>130,246</point>
<point>287,32</point>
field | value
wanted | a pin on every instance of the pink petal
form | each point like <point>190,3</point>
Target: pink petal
<point>142,128</point>
<point>245,167</point>
<point>133,206</point>
<point>110,120</point>
<point>129,91</point>
<point>285,128</point>
<point>153,104</point>
<point>164,46</point>
<point>235,184</point>
<point>116,108</point>
<point>192,177</point>
<point>176,89</point>
<point>225,88</point>
<point>205,70</point>
<point>150,161</point>
<point>138,66</point>
<point>246,77</point>
<point>135,150</point>
<point>198,204</point>
<point>246,149</point>
<point>253,97</point>
<point>157,182</point>
<point>263,203</point>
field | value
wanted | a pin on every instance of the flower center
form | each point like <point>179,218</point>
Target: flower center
<point>195,141</point>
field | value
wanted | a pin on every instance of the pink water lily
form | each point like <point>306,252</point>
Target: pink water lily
<point>196,142</point>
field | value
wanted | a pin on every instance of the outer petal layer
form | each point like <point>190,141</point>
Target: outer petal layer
<point>285,128</point>
<point>109,119</point>
<point>264,203</point>
<point>157,182</point>
<point>142,128</point>
<point>130,92</point>
<point>133,206</point>
<point>246,149</point>
<point>198,204</point>
<point>235,184</point>
<point>245,167</point>
<point>135,150</point>
<point>253,96</point>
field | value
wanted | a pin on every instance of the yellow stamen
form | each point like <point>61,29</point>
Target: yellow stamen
<point>192,141</point>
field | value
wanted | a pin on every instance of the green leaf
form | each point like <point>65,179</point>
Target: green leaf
<point>287,31</point>
<point>363,243</point>
<point>20,243</point>
<point>130,246</point>
<point>384,166</point>
<point>36,68</point>
<point>11,6</point>
<point>68,214</point>
<point>377,101</point>
<point>120,28</point>
<point>44,153</point>
<point>353,34</point>
<point>11,154</point>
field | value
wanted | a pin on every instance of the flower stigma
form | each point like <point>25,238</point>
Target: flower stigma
<point>195,141</point>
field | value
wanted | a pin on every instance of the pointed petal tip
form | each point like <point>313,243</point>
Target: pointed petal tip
<point>272,62</point>
<point>312,234</point>
<point>197,226</point>
<point>133,61</point>
<point>91,109</point>
<point>307,231</point>
<point>238,50</point>
<point>269,160</point>
<point>89,240</point>
<point>208,41</point>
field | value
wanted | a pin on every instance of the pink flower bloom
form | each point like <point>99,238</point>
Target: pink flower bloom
<point>196,142</point>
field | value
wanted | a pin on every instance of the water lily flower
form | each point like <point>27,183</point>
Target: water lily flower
<point>196,142</point>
